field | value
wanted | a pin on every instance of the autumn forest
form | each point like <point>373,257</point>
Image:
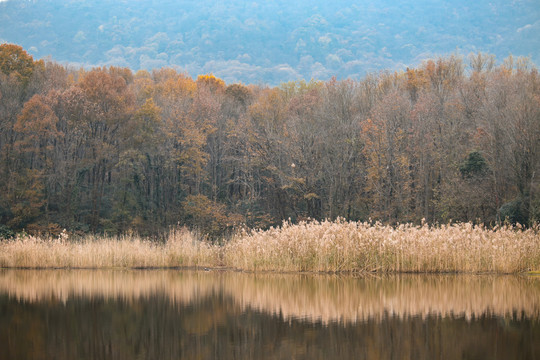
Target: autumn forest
<point>110,151</point>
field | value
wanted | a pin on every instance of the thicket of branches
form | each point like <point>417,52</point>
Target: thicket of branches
<point>107,150</point>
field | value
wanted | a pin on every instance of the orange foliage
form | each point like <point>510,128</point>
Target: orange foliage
<point>416,81</point>
<point>37,121</point>
<point>212,82</point>
<point>14,60</point>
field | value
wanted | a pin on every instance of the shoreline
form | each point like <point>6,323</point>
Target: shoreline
<point>332,247</point>
<point>224,269</point>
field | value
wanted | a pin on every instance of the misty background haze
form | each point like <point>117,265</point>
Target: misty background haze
<point>269,41</point>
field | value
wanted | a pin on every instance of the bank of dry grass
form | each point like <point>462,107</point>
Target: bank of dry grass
<point>328,246</point>
<point>352,246</point>
<point>182,248</point>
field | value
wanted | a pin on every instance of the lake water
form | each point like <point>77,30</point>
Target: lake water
<point>158,314</point>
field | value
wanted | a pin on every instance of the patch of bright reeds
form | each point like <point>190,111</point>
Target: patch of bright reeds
<point>341,246</point>
<point>327,246</point>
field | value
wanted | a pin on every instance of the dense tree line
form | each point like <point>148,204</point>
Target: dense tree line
<point>107,150</point>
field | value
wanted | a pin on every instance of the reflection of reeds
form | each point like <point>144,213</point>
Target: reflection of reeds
<point>325,298</point>
<point>330,298</point>
<point>181,287</point>
<point>315,246</point>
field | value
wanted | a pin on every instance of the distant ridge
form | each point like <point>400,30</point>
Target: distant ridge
<point>269,41</point>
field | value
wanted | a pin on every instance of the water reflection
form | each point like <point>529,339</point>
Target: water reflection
<point>325,298</point>
<point>62,314</point>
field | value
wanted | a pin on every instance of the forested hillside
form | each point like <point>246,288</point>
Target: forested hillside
<point>109,150</point>
<point>262,41</point>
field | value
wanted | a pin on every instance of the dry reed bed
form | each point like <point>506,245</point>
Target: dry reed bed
<point>357,247</point>
<point>182,248</point>
<point>328,246</point>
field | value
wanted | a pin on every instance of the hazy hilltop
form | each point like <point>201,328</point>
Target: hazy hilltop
<point>269,41</point>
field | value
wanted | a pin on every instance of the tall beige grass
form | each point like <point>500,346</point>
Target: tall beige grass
<point>182,248</point>
<point>327,246</point>
<point>338,246</point>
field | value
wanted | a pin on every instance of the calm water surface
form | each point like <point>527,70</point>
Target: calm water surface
<point>155,314</point>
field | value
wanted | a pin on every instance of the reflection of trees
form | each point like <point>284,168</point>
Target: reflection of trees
<point>214,327</point>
